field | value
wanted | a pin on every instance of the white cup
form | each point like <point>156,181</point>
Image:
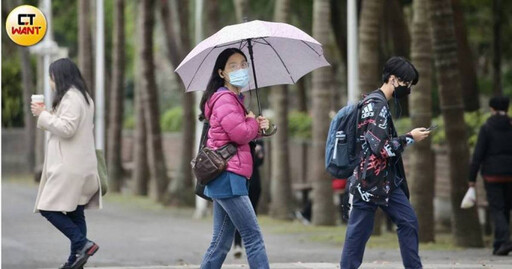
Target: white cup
<point>38,98</point>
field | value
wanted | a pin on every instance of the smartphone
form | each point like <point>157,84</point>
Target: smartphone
<point>431,128</point>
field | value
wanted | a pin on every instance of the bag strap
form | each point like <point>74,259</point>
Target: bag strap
<point>204,135</point>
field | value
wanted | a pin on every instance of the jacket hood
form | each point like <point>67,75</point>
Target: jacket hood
<point>500,122</point>
<point>209,105</point>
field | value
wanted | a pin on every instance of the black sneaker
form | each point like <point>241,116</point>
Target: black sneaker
<point>87,251</point>
<point>67,265</point>
<point>504,249</point>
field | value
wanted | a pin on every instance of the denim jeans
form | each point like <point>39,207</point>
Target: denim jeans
<point>72,225</point>
<point>230,214</point>
<point>360,227</point>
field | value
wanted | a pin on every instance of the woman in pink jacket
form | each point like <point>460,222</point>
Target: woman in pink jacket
<point>222,105</point>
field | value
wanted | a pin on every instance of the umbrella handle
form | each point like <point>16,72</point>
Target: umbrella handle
<point>270,131</point>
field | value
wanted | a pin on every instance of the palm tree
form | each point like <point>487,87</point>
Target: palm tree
<point>116,105</point>
<point>140,172</point>
<point>212,10</point>
<point>465,225</point>
<point>85,52</point>
<point>369,74</point>
<point>280,187</point>
<point>422,157</point>
<point>496,47</point>
<point>323,207</point>
<point>180,190</point>
<point>156,159</point>
<point>29,120</point>
<point>466,63</point>
<point>241,9</point>
<point>370,21</point>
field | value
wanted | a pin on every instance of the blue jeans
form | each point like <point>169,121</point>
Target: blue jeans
<point>230,214</point>
<point>360,227</point>
<point>72,225</point>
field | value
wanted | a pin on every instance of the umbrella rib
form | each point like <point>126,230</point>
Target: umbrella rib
<point>199,67</point>
<point>311,48</point>
<point>280,59</point>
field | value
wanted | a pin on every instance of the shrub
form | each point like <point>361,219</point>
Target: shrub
<point>172,120</point>
<point>299,125</point>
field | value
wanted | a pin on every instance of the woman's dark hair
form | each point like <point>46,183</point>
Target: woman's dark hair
<point>215,80</point>
<point>402,69</point>
<point>66,74</point>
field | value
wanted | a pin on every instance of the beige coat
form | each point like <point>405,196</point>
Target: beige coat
<point>70,175</point>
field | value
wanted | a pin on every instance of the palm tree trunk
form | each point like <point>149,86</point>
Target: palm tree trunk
<point>156,159</point>
<point>213,14</point>
<point>465,224</point>
<point>370,21</point>
<point>323,207</point>
<point>85,52</point>
<point>302,105</point>
<point>189,118</point>
<point>140,174</point>
<point>241,9</point>
<point>496,47</point>
<point>399,34</point>
<point>280,187</point>
<point>180,189</point>
<point>466,64</point>
<point>117,99</point>
<point>369,74</point>
<point>29,120</point>
<point>420,107</point>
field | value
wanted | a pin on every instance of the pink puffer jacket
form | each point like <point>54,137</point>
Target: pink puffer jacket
<point>229,124</point>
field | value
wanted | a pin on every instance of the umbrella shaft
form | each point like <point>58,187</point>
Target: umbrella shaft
<point>249,46</point>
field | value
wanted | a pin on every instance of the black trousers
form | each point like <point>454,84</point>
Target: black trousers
<point>72,225</point>
<point>499,196</point>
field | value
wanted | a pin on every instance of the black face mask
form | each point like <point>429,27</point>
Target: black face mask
<point>401,91</point>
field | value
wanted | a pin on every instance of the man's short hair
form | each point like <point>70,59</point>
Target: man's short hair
<point>499,103</point>
<point>402,69</point>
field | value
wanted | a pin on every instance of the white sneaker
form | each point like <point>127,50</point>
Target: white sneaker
<point>237,252</point>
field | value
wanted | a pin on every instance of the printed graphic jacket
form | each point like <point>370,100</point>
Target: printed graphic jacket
<point>380,150</point>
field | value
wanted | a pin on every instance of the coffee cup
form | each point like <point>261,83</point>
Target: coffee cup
<point>38,98</point>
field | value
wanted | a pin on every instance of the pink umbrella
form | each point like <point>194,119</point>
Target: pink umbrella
<point>279,53</point>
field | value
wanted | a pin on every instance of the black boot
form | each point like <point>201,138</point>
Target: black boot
<point>504,249</point>
<point>83,254</point>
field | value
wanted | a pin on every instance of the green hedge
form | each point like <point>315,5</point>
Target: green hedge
<point>299,125</point>
<point>170,121</point>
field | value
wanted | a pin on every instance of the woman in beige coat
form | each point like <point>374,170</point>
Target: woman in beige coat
<point>70,181</point>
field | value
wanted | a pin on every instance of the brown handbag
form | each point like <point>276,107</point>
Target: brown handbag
<point>209,163</point>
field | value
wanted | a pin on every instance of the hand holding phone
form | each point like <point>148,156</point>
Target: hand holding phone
<point>432,128</point>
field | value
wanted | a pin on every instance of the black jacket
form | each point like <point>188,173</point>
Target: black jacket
<point>493,150</point>
<point>380,150</point>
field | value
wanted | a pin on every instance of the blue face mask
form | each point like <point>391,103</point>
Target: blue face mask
<point>239,78</point>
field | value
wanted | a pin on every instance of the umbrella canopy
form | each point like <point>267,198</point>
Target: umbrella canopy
<point>282,54</point>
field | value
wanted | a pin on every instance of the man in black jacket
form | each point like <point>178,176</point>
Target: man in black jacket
<point>380,178</point>
<point>493,153</point>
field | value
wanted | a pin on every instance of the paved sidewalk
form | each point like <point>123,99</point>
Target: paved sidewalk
<point>383,265</point>
<point>139,237</point>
